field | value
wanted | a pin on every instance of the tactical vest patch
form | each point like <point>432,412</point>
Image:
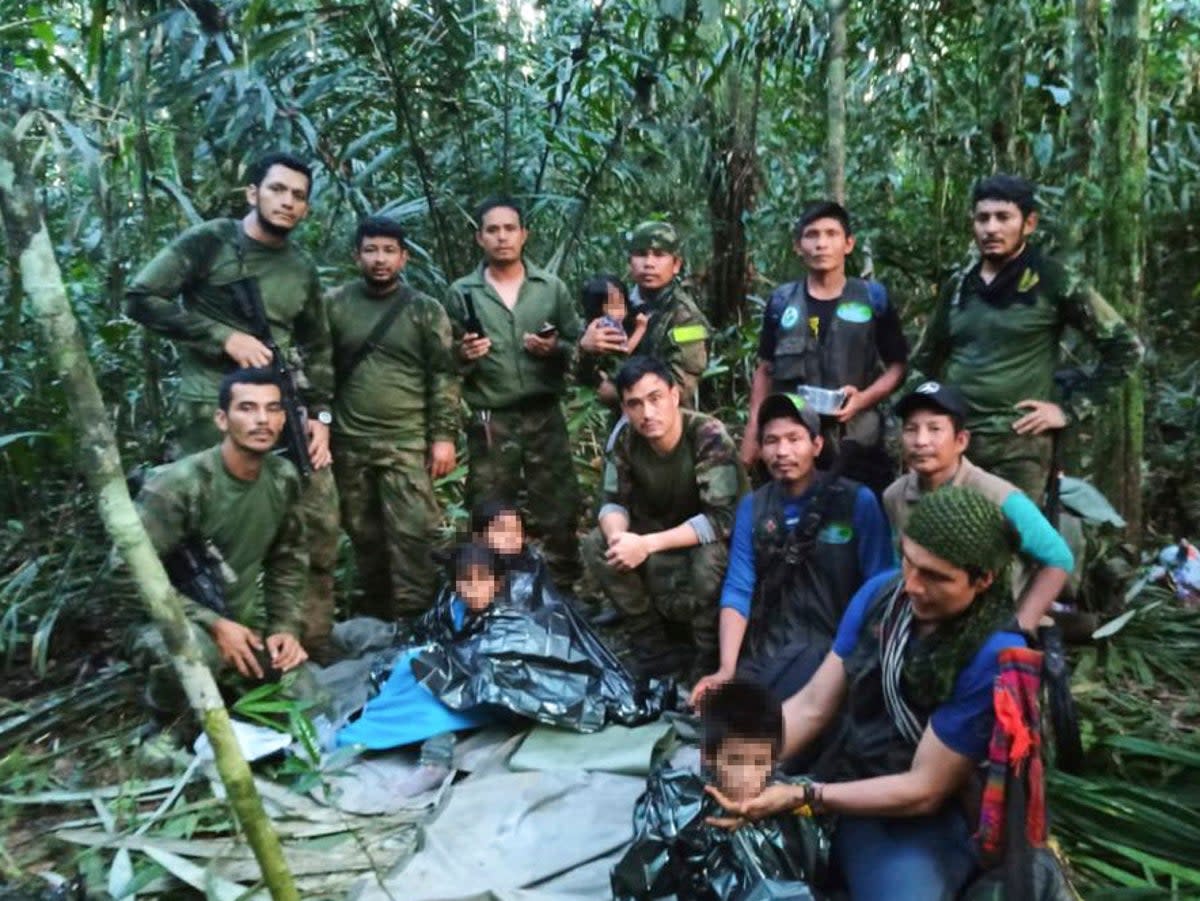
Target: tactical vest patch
<point>855,312</point>
<point>836,533</point>
<point>789,319</point>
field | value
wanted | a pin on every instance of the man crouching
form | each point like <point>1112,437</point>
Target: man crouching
<point>227,517</point>
<point>911,672</point>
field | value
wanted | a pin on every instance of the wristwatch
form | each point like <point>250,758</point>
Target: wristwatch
<point>325,417</point>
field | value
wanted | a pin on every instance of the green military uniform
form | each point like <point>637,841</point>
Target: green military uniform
<point>198,266</point>
<point>256,526</point>
<point>517,436</point>
<point>1001,351</point>
<point>402,396</point>
<point>677,332</point>
<point>698,483</point>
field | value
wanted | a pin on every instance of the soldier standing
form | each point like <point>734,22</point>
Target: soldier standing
<point>995,336</point>
<point>396,416</point>
<point>515,329</point>
<point>185,294</point>
<point>677,332</point>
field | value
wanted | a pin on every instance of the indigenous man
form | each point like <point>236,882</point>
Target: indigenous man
<point>995,336</point>
<point>244,501</point>
<point>659,553</point>
<point>395,421</point>
<point>677,332</point>
<point>912,672</point>
<point>935,441</point>
<point>515,329</point>
<point>803,544</point>
<point>831,331</point>
<point>198,268</point>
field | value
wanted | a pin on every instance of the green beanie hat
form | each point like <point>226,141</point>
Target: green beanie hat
<point>964,528</point>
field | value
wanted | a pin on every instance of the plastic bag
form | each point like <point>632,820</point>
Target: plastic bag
<point>677,855</point>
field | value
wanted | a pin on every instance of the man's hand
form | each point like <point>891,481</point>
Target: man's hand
<point>441,459</point>
<point>246,350</point>
<point>851,406</point>
<point>473,346</point>
<point>236,644</point>
<point>285,650</point>
<point>318,444</point>
<point>775,799</point>
<point>607,393</point>
<point>750,450</point>
<point>707,684</point>
<point>541,347</point>
<point>627,551</point>
<point>1043,416</point>
<point>601,338</point>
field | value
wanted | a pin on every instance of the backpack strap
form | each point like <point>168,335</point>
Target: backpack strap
<point>382,324</point>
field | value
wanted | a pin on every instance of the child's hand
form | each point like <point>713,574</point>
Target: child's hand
<point>640,321</point>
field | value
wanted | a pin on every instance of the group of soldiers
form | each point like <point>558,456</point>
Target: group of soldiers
<point>708,578</point>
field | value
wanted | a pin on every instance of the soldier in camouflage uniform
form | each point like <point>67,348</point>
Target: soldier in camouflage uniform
<point>677,332</point>
<point>396,414</point>
<point>671,486</point>
<point>211,337</point>
<point>515,331</point>
<point>245,501</point>
<point>995,336</point>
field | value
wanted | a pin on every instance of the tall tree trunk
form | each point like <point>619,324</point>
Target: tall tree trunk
<point>1085,72</point>
<point>29,241</point>
<point>1123,164</point>
<point>835,141</point>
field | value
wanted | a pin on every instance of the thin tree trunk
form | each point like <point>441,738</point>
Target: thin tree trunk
<point>29,241</point>
<point>1085,73</point>
<point>1123,166</point>
<point>835,147</point>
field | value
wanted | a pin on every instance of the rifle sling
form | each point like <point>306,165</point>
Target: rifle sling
<point>382,324</point>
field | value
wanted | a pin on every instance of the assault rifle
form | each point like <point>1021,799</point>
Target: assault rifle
<point>197,569</point>
<point>293,444</point>
<point>471,323</point>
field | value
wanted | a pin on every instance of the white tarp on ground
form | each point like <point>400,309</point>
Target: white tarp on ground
<point>536,836</point>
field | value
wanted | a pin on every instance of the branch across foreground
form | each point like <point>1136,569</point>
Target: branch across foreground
<point>41,279</point>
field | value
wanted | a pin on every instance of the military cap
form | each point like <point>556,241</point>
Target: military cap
<point>789,406</point>
<point>653,236</point>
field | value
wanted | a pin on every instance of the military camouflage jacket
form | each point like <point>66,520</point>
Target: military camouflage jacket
<point>406,389</point>
<point>182,295</point>
<point>256,526</point>
<point>677,334</point>
<point>999,354</point>
<point>699,482</point>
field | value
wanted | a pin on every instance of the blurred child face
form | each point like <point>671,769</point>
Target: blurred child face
<point>742,767</point>
<point>614,305</point>
<point>477,586</point>
<point>505,535</point>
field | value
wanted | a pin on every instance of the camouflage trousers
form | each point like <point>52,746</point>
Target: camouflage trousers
<point>1023,460</point>
<point>390,513</point>
<point>670,601</point>
<point>147,651</point>
<point>195,430</point>
<point>528,449</point>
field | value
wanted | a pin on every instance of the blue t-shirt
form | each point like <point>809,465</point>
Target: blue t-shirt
<point>963,722</point>
<point>875,550</point>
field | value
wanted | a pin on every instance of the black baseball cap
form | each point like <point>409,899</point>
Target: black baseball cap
<point>934,396</point>
<point>791,406</point>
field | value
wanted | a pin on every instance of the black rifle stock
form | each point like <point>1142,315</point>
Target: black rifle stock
<point>247,302</point>
<point>197,569</point>
<point>472,324</point>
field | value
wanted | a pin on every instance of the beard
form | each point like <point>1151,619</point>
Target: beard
<point>279,231</point>
<point>381,285</point>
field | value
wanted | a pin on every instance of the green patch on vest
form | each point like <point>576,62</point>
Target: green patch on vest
<point>686,334</point>
<point>836,533</point>
<point>855,312</point>
<point>789,319</point>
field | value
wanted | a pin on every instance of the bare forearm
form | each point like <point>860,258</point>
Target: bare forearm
<point>681,536</point>
<point>613,524</point>
<point>760,387</point>
<point>880,389</point>
<point>731,631</point>
<point>900,795</point>
<point>1044,588</point>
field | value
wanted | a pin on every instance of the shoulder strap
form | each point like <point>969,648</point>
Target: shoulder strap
<point>382,324</point>
<point>210,245</point>
<point>878,296</point>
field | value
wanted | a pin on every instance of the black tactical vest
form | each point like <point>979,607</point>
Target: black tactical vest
<point>846,356</point>
<point>805,577</point>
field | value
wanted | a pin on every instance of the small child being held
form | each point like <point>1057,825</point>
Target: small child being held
<point>679,848</point>
<point>604,297</point>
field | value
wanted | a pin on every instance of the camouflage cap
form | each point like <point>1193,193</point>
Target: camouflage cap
<point>653,236</point>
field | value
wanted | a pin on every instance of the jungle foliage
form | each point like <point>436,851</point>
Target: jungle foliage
<point>724,117</point>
